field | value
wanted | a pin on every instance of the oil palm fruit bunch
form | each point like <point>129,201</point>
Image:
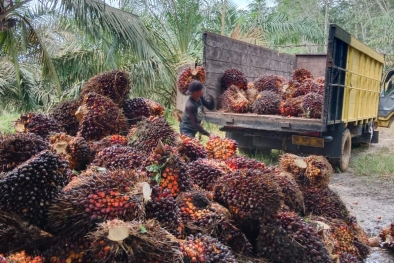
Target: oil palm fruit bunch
<point>242,162</point>
<point>292,107</point>
<point>19,147</point>
<point>22,257</point>
<point>386,237</point>
<point>324,202</point>
<point>234,100</point>
<point>118,157</point>
<point>152,130</point>
<point>113,84</point>
<point>361,239</point>
<point>135,241</point>
<point>29,189</point>
<point>99,117</point>
<point>204,173</point>
<point>234,77</point>
<point>223,149</point>
<point>163,208</point>
<point>108,141</point>
<point>312,104</point>
<point>135,110</point>
<point>205,249</point>
<point>38,124</point>
<point>272,83</point>
<point>292,89</point>
<point>301,75</point>
<point>17,235</point>
<point>286,238</point>
<point>294,165</point>
<point>74,149</point>
<point>311,85</point>
<point>96,198</point>
<point>251,93</point>
<point>188,75</point>
<point>64,114</point>
<point>66,249</point>
<point>267,102</point>
<point>192,148</point>
<point>156,109</point>
<point>231,236</point>
<point>348,258</point>
<point>318,171</point>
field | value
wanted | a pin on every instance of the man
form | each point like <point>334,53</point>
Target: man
<point>191,120</point>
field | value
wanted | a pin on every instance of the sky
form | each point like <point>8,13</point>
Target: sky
<point>244,3</point>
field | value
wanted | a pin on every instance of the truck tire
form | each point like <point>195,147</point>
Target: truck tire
<point>346,152</point>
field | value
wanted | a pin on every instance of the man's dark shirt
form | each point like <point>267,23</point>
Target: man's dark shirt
<point>191,120</point>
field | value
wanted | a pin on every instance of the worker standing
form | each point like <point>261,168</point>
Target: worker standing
<point>193,114</point>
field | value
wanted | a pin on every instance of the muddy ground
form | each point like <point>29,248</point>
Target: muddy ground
<point>370,198</point>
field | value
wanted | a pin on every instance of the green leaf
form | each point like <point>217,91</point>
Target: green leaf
<point>143,229</point>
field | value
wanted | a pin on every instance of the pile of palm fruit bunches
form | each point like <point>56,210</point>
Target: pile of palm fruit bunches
<point>300,96</point>
<point>106,179</point>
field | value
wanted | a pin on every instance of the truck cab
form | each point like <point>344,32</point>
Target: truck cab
<point>386,101</point>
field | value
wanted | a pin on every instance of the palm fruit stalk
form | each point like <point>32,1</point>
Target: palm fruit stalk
<point>205,249</point>
<point>108,141</point>
<point>152,130</point>
<point>113,84</point>
<point>29,189</point>
<point>38,124</point>
<point>188,75</point>
<point>17,235</point>
<point>22,257</point>
<point>242,162</point>
<point>267,102</point>
<point>192,148</point>
<point>99,117</point>
<point>292,107</point>
<point>324,202</point>
<point>118,157</point>
<point>163,208</point>
<point>223,149</point>
<point>312,104</point>
<point>318,171</point>
<point>234,77</point>
<point>251,94</point>
<point>301,75</point>
<point>135,110</point>
<point>386,237</point>
<point>135,241</point>
<point>64,114</point>
<point>234,100</point>
<point>286,238</point>
<point>96,198</point>
<point>74,149</point>
<point>296,166</point>
<point>204,173</point>
<point>156,109</point>
<point>19,147</point>
<point>269,83</point>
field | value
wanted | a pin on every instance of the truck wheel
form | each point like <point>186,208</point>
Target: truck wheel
<point>346,152</point>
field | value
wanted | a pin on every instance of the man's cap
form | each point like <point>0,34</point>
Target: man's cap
<point>195,85</point>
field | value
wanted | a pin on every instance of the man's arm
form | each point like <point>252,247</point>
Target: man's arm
<point>191,111</point>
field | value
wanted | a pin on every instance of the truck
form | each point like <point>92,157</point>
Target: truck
<point>357,97</point>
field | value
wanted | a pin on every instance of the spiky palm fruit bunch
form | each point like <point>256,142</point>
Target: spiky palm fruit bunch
<point>19,147</point>
<point>204,173</point>
<point>205,249</point>
<point>163,208</point>
<point>251,94</point>
<point>318,171</point>
<point>100,117</point>
<point>37,123</point>
<point>272,83</point>
<point>67,250</point>
<point>311,85</point>
<point>223,149</point>
<point>135,241</point>
<point>152,130</point>
<point>16,235</point>
<point>320,80</point>
<point>234,77</point>
<point>267,102</point>
<point>234,238</point>
<point>359,234</point>
<point>292,107</point>
<point>348,258</point>
<point>96,198</point>
<point>296,166</point>
<point>387,237</point>
<point>286,238</point>
<point>119,157</point>
<point>188,75</point>
<point>234,191</point>
<point>241,162</point>
<point>74,149</point>
<point>324,202</point>
<point>108,141</point>
<point>234,100</point>
<point>192,148</point>
<point>291,89</point>
<point>156,109</point>
<point>113,84</point>
<point>22,257</point>
<point>301,75</point>
<point>135,110</point>
<point>64,114</point>
<point>29,189</point>
<point>312,104</point>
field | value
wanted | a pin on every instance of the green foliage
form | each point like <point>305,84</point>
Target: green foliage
<point>7,122</point>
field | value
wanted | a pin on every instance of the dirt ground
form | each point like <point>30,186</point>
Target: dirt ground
<point>370,198</point>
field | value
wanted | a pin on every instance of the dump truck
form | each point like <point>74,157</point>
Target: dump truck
<point>357,97</point>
